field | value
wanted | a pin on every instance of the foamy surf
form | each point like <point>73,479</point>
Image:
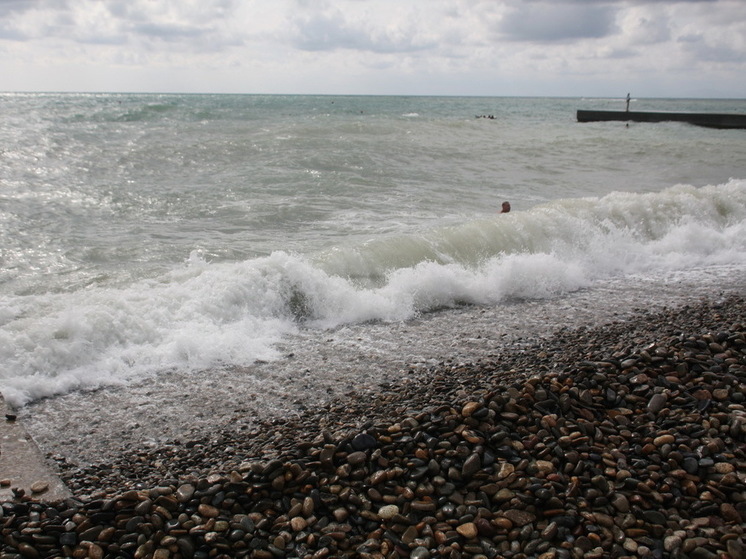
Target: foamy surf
<point>202,314</point>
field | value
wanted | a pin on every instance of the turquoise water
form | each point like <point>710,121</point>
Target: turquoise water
<point>151,233</point>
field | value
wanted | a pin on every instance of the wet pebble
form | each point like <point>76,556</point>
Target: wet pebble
<point>626,440</point>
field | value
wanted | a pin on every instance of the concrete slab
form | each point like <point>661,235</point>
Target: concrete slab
<point>22,465</point>
<point>709,120</point>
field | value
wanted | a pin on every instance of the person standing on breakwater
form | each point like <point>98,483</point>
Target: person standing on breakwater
<point>506,208</point>
<point>627,102</point>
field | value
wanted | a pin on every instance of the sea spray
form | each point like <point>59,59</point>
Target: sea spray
<point>204,314</point>
<point>311,218</point>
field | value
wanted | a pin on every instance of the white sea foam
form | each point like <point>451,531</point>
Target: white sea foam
<point>306,213</point>
<point>203,314</point>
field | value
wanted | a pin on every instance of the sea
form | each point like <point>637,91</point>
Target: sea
<point>171,262</point>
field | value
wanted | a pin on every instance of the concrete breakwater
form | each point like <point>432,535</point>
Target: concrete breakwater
<point>23,469</point>
<point>709,120</point>
<point>625,440</point>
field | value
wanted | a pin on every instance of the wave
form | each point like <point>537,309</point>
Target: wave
<point>619,233</point>
<point>206,314</point>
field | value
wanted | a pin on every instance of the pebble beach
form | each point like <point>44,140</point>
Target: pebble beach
<point>626,439</point>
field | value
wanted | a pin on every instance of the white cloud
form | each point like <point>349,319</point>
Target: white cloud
<point>331,31</point>
<point>480,47</point>
<point>644,25</point>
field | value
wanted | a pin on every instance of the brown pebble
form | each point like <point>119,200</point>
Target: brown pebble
<point>503,523</point>
<point>95,551</point>
<point>736,549</point>
<point>208,511</point>
<point>39,487</point>
<point>388,512</point>
<point>468,530</point>
<point>580,461</point>
<point>470,408</point>
<point>519,517</point>
<point>308,507</point>
<point>664,439</point>
<point>298,523</point>
<point>356,458</point>
<point>27,550</point>
<point>730,513</point>
<point>724,467</point>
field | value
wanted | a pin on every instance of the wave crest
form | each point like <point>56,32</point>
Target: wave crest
<point>203,315</point>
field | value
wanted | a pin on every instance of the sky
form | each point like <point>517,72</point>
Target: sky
<point>572,48</point>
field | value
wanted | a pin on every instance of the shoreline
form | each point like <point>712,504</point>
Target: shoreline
<point>84,428</point>
<point>632,439</point>
<point>441,384</point>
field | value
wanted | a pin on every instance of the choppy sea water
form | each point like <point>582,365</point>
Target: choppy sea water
<point>170,260</point>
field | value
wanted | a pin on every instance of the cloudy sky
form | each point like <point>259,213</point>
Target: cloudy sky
<point>653,48</point>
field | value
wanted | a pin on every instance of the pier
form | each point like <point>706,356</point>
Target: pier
<point>710,120</point>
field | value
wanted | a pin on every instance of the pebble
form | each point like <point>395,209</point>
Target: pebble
<point>468,530</point>
<point>388,512</point>
<point>185,493</point>
<point>519,517</point>
<point>657,402</point>
<point>420,553</point>
<point>626,440</point>
<point>39,487</point>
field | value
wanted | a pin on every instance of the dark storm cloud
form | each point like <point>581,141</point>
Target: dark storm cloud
<point>558,22</point>
<point>326,32</point>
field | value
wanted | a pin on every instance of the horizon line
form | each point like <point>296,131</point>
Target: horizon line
<point>475,96</point>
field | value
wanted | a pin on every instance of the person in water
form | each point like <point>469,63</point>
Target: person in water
<point>506,207</point>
